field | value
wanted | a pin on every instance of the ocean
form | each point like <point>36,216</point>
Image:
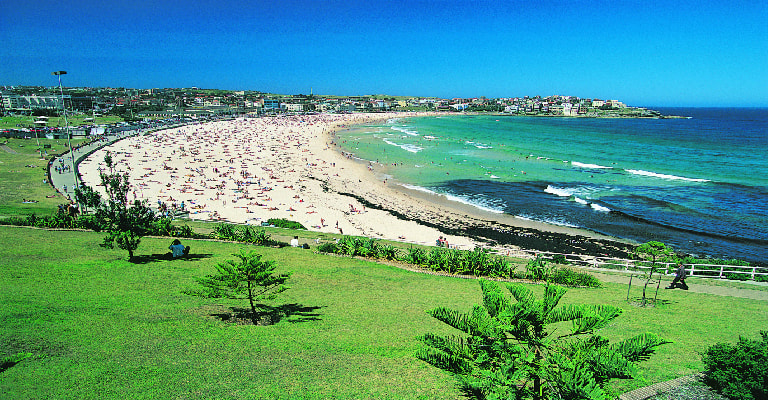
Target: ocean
<point>699,184</point>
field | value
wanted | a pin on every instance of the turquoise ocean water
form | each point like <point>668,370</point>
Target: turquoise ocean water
<point>699,184</point>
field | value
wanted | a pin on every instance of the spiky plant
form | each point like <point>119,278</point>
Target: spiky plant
<point>510,352</point>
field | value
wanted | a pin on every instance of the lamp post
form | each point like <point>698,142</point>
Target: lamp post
<point>66,124</point>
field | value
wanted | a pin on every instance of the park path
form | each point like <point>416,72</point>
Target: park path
<point>695,287</point>
<point>8,149</point>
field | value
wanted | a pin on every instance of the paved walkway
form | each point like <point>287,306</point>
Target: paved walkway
<point>661,387</point>
<point>64,183</point>
<point>59,181</point>
<point>695,285</point>
<point>8,149</point>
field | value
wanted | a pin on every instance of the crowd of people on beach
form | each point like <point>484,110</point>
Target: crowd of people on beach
<point>249,170</point>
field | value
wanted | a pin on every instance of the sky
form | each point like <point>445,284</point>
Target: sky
<point>644,53</point>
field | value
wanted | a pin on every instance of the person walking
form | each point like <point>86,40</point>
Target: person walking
<point>679,281</point>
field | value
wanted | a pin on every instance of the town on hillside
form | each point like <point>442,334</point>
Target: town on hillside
<point>92,105</point>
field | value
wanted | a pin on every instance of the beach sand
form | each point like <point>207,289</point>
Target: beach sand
<point>249,170</point>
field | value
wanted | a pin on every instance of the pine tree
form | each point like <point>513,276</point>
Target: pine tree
<point>247,278</point>
<point>510,353</point>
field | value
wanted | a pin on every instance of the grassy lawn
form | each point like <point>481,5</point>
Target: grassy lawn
<point>23,121</point>
<point>101,327</point>
<point>23,174</point>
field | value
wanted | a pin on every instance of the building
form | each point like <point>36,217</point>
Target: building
<point>271,105</point>
<point>294,107</point>
<point>33,102</point>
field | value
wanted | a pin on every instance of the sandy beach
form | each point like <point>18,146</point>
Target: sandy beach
<point>249,170</point>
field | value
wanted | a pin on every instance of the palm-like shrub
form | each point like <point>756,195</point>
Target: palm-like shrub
<point>509,352</point>
<point>388,252</point>
<point>416,256</point>
<point>225,232</point>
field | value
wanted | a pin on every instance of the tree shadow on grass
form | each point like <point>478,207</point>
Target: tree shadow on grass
<point>638,302</point>
<point>270,315</point>
<point>145,259</point>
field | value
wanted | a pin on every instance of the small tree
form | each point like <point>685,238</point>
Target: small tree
<point>123,221</point>
<point>511,354</point>
<point>247,278</point>
<point>655,251</point>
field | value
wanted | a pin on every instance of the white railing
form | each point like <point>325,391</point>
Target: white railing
<point>620,264</point>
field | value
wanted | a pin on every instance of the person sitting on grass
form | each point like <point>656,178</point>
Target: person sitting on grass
<point>679,281</point>
<point>178,249</point>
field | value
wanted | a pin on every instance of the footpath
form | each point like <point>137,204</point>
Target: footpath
<point>64,182</point>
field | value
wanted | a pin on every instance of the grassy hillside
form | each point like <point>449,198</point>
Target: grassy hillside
<point>100,327</point>
<point>23,176</point>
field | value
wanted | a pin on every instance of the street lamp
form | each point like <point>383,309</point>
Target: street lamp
<point>66,124</point>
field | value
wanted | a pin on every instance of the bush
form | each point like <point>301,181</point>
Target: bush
<point>184,231</point>
<point>559,259</point>
<point>16,221</point>
<point>224,232</point>
<point>388,252</point>
<point>328,248</point>
<point>569,277</point>
<point>739,371</point>
<point>284,223</point>
<point>87,222</point>
<point>738,277</point>
<point>416,256</point>
<point>161,227</point>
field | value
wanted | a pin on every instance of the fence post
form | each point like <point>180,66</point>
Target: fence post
<point>753,272</point>
<point>721,271</point>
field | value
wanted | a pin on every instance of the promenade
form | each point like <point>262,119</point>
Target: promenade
<point>64,182</point>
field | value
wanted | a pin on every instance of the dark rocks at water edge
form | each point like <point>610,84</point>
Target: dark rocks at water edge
<point>495,233</point>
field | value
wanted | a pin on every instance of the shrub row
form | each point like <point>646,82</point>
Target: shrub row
<point>160,227</point>
<point>478,262</point>
<point>245,234</point>
<point>538,270</point>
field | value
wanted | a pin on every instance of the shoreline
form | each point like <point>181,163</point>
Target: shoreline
<point>497,230</point>
<point>249,170</point>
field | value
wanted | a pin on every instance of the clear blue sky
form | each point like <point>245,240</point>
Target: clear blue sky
<point>663,53</point>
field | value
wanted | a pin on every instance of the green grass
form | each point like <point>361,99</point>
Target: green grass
<point>100,327</point>
<point>19,121</point>
<point>23,175</point>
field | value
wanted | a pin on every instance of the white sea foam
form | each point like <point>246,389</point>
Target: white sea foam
<point>407,147</point>
<point>428,137</point>
<point>478,145</point>
<point>591,166</point>
<point>562,192</point>
<point>580,201</point>
<point>404,130</point>
<point>419,188</point>
<point>598,207</point>
<point>477,203</point>
<point>550,221</point>
<point>494,177</point>
<point>664,176</point>
<point>474,203</point>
